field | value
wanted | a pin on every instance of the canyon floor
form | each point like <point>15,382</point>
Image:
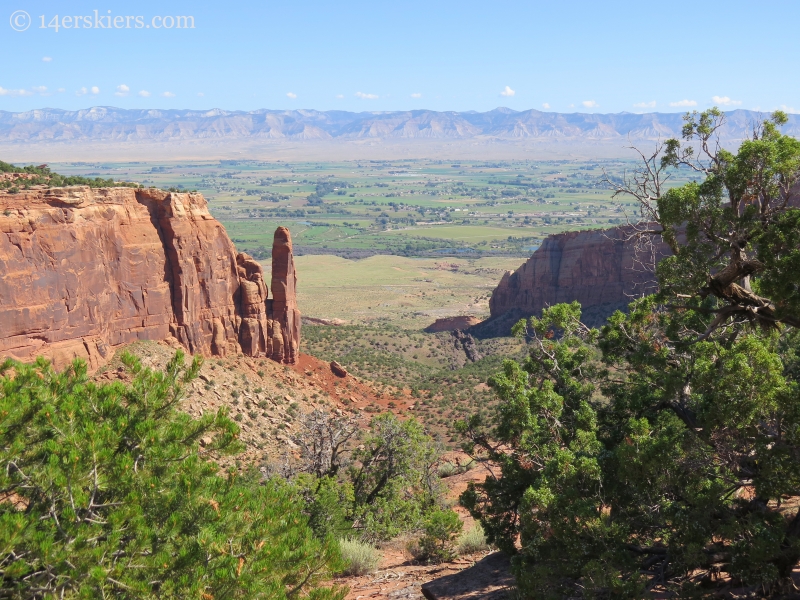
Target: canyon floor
<point>389,289</point>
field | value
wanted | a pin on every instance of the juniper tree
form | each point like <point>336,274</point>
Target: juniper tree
<point>662,452</point>
<point>106,492</point>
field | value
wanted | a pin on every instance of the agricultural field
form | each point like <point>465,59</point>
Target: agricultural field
<point>422,208</point>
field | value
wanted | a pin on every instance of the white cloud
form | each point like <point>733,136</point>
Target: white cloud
<point>684,103</point>
<point>416,95</point>
<point>340,96</point>
<point>364,96</point>
<point>651,104</point>
<point>508,92</point>
<point>82,92</point>
<point>41,90</point>
<point>572,106</point>
<point>291,95</point>
<point>168,95</point>
<point>47,59</point>
<point>725,101</point>
<point>95,90</point>
<point>5,92</point>
<point>144,94</point>
<point>787,109</point>
<point>546,105</point>
<point>61,90</point>
<point>590,104</point>
<point>122,90</point>
<point>201,94</point>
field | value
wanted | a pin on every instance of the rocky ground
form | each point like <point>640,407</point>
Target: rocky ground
<point>267,399</point>
<point>480,576</point>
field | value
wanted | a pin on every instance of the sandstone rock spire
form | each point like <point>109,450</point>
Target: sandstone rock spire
<point>284,298</point>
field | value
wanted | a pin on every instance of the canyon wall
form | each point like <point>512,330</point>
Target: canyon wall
<point>84,271</point>
<point>597,268</point>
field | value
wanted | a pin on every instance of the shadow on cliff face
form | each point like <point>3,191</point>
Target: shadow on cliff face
<point>499,326</point>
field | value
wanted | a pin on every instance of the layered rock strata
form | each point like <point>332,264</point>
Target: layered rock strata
<point>600,269</point>
<point>83,271</point>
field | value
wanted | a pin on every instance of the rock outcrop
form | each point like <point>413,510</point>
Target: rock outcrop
<point>465,341</point>
<point>452,323</point>
<point>83,271</point>
<point>597,268</point>
<point>489,578</point>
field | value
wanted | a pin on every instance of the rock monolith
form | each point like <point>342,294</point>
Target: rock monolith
<point>284,310</point>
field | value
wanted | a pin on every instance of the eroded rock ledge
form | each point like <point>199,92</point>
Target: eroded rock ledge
<point>83,271</point>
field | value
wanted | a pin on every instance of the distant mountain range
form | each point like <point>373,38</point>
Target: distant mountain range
<point>103,123</point>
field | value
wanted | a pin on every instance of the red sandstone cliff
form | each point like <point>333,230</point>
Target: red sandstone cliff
<point>596,268</point>
<point>83,271</point>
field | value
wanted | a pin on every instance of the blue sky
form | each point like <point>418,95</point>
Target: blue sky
<point>599,56</point>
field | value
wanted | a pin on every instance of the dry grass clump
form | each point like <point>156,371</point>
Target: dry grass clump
<point>361,558</point>
<point>472,540</point>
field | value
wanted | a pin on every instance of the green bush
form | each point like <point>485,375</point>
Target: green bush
<point>107,494</point>
<point>359,557</point>
<point>437,544</point>
<point>394,478</point>
<point>44,176</point>
<point>328,505</point>
<point>446,469</point>
<point>384,487</point>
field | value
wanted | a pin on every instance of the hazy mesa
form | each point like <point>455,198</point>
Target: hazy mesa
<point>109,124</point>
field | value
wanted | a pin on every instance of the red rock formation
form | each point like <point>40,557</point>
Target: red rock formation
<point>284,299</point>
<point>596,268</point>
<point>452,323</point>
<point>254,328</point>
<point>204,275</point>
<point>83,271</point>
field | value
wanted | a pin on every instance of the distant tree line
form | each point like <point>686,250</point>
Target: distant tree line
<point>42,175</point>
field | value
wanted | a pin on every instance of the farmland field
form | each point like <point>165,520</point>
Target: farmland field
<point>421,208</point>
